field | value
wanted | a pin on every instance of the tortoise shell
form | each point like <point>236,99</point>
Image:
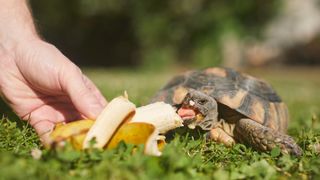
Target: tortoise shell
<point>252,97</point>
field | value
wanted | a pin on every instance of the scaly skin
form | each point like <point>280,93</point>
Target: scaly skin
<point>263,138</point>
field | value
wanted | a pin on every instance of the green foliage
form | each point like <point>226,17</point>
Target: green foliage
<point>19,141</point>
<point>149,32</point>
<point>275,152</point>
<point>183,158</point>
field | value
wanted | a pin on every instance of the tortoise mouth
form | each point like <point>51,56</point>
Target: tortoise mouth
<point>190,115</point>
<point>187,113</point>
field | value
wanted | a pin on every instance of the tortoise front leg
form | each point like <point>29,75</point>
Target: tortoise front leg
<point>263,138</point>
<point>220,136</point>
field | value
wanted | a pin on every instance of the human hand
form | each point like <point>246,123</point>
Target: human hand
<point>42,86</point>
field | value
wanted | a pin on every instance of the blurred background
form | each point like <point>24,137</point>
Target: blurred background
<point>195,33</point>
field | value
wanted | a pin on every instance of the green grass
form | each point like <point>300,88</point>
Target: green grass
<point>184,157</point>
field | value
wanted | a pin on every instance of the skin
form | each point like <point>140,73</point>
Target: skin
<point>37,81</point>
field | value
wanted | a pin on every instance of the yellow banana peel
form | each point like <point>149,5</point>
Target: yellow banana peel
<point>65,132</point>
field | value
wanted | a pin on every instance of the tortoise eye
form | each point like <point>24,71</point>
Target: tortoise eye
<point>202,101</point>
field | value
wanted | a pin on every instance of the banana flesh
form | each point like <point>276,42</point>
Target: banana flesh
<point>163,116</point>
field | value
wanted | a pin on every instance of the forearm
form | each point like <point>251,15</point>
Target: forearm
<point>16,23</point>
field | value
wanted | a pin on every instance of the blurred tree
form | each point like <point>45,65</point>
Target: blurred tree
<point>85,34</point>
<point>291,38</point>
<point>148,32</point>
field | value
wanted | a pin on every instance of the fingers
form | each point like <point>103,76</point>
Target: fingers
<point>95,90</point>
<point>44,118</point>
<point>43,129</point>
<point>84,95</point>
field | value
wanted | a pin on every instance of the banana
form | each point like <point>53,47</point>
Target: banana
<point>122,121</point>
<point>151,146</point>
<point>64,131</point>
<point>68,131</point>
<point>115,113</point>
<point>163,116</point>
<point>138,133</point>
<point>77,141</point>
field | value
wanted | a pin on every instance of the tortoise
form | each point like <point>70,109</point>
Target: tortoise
<point>231,107</point>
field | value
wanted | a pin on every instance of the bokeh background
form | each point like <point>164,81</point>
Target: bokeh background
<point>195,33</point>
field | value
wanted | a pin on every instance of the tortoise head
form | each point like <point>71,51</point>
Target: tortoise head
<point>199,109</point>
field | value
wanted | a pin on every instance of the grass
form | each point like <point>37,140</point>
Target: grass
<point>184,157</point>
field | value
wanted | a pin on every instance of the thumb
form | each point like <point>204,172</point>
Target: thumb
<point>83,98</point>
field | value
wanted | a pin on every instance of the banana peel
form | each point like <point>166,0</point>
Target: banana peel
<point>121,121</point>
<point>66,132</point>
<point>138,133</point>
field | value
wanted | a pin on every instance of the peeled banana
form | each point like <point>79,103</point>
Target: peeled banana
<point>163,116</point>
<point>116,112</point>
<point>122,121</point>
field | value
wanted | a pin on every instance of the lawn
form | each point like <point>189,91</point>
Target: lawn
<point>184,157</point>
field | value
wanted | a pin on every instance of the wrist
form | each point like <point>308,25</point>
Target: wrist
<point>16,23</point>
<point>11,43</point>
